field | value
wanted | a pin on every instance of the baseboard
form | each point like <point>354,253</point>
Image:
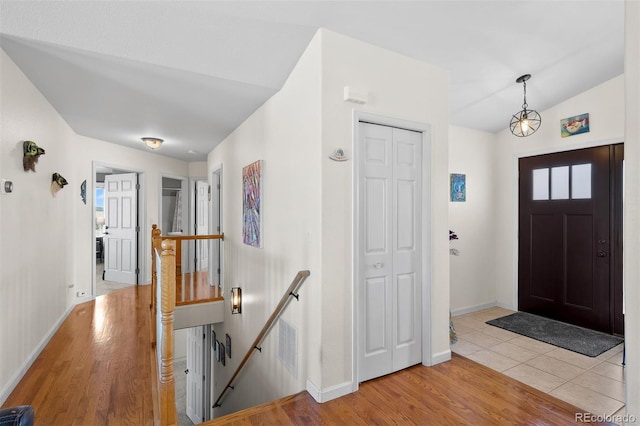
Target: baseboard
<point>475,308</point>
<point>506,306</point>
<point>438,358</point>
<point>32,357</point>
<point>330,393</point>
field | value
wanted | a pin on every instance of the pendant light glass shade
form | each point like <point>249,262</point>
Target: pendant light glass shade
<point>525,122</point>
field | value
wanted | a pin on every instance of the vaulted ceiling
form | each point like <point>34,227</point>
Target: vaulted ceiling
<point>192,71</point>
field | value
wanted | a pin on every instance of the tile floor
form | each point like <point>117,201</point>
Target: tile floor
<point>593,384</point>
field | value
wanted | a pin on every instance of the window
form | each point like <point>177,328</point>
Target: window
<point>567,182</point>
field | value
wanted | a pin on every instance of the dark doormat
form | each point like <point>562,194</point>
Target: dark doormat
<point>577,339</point>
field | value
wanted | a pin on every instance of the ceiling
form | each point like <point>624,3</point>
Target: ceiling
<point>191,72</point>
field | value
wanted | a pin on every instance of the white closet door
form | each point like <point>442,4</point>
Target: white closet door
<point>389,250</point>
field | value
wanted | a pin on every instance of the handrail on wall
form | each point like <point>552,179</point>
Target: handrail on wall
<point>301,276</point>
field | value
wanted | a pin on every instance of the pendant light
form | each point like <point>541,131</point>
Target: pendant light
<point>527,121</point>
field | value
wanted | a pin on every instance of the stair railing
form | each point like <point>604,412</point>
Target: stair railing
<point>300,277</point>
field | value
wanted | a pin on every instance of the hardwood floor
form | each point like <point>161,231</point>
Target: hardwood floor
<point>460,392</point>
<point>97,370</point>
<point>194,288</point>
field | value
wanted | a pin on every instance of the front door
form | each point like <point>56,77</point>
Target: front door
<point>121,223</point>
<point>389,249</point>
<point>567,237</point>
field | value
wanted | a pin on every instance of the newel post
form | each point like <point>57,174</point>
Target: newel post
<point>167,307</point>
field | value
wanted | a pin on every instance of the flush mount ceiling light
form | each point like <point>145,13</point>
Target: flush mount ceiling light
<point>527,121</point>
<point>153,143</point>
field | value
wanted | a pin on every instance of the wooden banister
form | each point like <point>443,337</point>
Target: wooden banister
<point>162,307</point>
<point>180,238</point>
<point>166,391</point>
<point>300,277</point>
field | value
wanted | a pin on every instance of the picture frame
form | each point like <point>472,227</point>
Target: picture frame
<point>217,350</point>
<point>252,204</point>
<point>458,187</point>
<point>575,125</point>
<point>228,344</point>
<point>222,355</point>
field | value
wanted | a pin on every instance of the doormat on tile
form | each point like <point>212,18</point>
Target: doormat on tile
<point>577,339</point>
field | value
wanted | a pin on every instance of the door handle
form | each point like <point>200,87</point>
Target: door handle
<point>186,371</point>
<point>106,233</point>
<point>602,254</point>
<point>378,265</point>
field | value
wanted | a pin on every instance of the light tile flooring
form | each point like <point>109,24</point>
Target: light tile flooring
<point>593,384</point>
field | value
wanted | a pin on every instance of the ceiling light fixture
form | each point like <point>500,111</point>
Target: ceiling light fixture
<point>153,143</point>
<point>527,121</point>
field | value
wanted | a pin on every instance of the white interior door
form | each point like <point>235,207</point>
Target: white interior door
<point>121,221</point>
<point>202,224</point>
<point>389,249</point>
<point>216,228</point>
<point>195,375</point>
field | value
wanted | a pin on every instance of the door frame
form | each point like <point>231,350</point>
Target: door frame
<point>186,211</point>
<point>192,218</point>
<point>142,244</point>
<point>427,231</point>
<point>516,196</point>
<point>217,170</point>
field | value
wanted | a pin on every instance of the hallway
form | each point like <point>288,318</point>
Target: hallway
<point>97,369</point>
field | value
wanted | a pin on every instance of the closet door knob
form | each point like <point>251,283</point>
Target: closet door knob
<point>378,265</point>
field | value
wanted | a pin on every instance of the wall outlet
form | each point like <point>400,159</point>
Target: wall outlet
<point>82,293</point>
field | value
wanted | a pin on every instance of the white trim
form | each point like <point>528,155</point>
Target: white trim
<point>217,170</point>
<point>142,247</point>
<point>440,357</point>
<point>426,130</point>
<point>516,194</point>
<point>474,308</point>
<point>32,357</point>
<point>330,393</point>
<point>506,306</point>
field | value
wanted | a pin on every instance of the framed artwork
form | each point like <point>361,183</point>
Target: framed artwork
<point>458,187</point>
<point>252,204</point>
<point>574,125</point>
<point>222,360</point>
<point>217,350</point>
<point>228,343</point>
<point>214,339</point>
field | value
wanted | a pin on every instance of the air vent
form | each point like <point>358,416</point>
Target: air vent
<point>288,347</point>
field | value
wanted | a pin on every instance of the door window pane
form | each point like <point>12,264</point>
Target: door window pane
<point>541,184</point>
<point>560,183</point>
<point>581,181</point>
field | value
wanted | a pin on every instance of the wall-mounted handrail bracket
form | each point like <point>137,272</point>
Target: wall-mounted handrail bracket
<point>297,296</point>
<point>291,291</point>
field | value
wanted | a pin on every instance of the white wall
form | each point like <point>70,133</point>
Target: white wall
<point>472,273</point>
<point>308,213</point>
<point>285,134</point>
<point>605,105</point>
<point>632,208</point>
<point>47,243</point>
<point>401,88</point>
